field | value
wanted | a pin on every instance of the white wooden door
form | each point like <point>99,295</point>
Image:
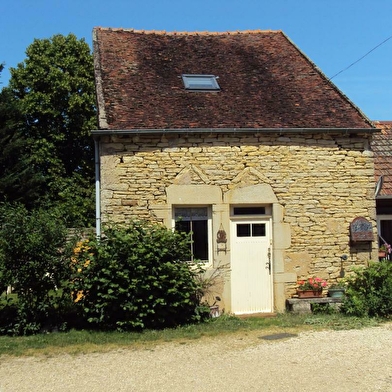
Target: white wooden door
<point>251,266</point>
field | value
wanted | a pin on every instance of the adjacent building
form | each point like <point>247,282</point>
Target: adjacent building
<point>382,148</point>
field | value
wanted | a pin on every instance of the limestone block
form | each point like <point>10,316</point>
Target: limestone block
<point>299,263</point>
<point>285,277</point>
<point>282,235</point>
<point>251,194</point>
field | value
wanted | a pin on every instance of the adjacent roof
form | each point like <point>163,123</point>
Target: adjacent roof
<point>382,148</point>
<point>265,82</point>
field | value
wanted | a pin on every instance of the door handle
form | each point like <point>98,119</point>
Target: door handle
<point>268,263</point>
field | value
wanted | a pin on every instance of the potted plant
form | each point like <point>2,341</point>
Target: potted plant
<point>384,250</point>
<point>336,290</point>
<point>311,287</point>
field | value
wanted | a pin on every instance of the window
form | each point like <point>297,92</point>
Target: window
<point>250,229</point>
<point>249,210</point>
<point>195,220</point>
<point>200,82</point>
<point>242,211</point>
<point>384,228</point>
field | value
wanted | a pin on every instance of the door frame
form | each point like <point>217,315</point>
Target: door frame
<point>267,219</point>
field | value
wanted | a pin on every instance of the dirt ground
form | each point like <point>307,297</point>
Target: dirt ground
<point>355,360</point>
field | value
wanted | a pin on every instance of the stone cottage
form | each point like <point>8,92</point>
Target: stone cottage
<point>241,140</point>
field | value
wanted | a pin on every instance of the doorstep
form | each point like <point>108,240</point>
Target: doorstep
<point>260,315</point>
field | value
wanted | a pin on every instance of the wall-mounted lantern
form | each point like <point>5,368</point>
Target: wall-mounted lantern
<point>343,258</point>
<point>221,240</point>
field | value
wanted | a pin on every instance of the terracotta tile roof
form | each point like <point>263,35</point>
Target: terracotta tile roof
<point>266,82</point>
<point>382,148</point>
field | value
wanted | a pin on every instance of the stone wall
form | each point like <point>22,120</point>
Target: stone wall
<point>321,181</point>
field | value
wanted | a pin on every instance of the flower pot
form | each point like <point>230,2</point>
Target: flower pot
<point>310,293</point>
<point>336,293</point>
<point>382,254</point>
<point>214,311</point>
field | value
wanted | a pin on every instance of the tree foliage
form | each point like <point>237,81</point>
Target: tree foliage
<point>34,261</point>
<point>18,179</point>
<point>52,97</point>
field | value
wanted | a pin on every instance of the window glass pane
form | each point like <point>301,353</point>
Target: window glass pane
<point>258,230</point>
<point>182,213</point>
<point>243,230</point>
<point>386,230</point>
<point>200,240</point>
<point>188,214</point>
<point>199,213</point>
<point>203,84</point>
<point>183,226</point>
<point>200,82</point>
<point>194,221</point>
<point>249,210</point>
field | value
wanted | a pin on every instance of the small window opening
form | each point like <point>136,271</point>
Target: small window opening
<point>194,221</point>
<point>251,230</point>
<point>200,82</point>
<point>249,210</point>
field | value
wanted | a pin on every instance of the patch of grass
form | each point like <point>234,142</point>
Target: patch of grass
<point>80,342</point>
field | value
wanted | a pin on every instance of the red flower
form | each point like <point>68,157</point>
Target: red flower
<point>313,283</point>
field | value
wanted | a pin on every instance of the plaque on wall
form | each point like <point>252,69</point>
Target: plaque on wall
<point>361,230</point>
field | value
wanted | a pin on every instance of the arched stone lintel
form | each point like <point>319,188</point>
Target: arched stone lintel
<point>253,194</point>
<point>193,194</point>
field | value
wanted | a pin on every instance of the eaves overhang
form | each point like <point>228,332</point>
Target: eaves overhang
<point>152,131</point>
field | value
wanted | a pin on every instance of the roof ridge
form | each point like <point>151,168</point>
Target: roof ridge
<point>164,32</point>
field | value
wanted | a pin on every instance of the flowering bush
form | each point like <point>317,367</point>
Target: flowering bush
<point>79,261</point>
<point>315,284</point>
<point>134,278</point>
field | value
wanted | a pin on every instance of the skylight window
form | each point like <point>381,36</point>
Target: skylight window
<point>200,82</point>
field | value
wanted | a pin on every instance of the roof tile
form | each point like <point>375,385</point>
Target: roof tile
<point>382,148</point>
<point>266,82</point>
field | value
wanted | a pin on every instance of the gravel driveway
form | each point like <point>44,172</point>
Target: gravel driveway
<point>355,360</point>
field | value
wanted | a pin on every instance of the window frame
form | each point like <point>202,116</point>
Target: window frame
<point>209,229</point>
<point>235,211</point>
<point>211,80</point>
<point>380,218</point>
<point>253,233</point>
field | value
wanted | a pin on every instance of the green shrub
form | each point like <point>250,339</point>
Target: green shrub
<point>322,309</point>
<point>136,277</point>
<point>33,261</point>
<point>368,291</point>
